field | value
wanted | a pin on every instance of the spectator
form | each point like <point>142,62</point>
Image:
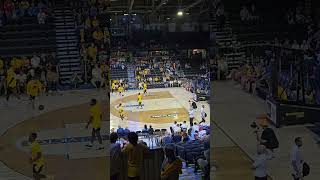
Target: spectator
<point>204,164</point>
<point>97,80</point>
<point>92,53</point>
<point>136,155</point>
<point>260,164</point>
<point>244,14</point>
<point>115,152</point>
<point>195,127</point>
<point>184,126</point>
<point>21,82</point>
<point>150,130</point>
<point>171,166</point>
<point>35,61</point>
<point>297,159</point>
<point>41,17</point>
<point>120,130</point>
<point>167,139</point>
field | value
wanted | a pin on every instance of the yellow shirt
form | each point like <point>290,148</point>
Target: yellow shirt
<point>121,109</point>
<point>96,116</point>
<point>92,52</point>
<point>1,64</point>
<point>120,89</point>
<point>82,35</point>
<point>34,88</point>
<point>135,158</point>
<point>139,98</point>
<point>282,96</point>
<point>145,86</point>
<point>98,35</point>
<point>95,23</point>
<point>11,78</point>
<point>113,86</point>
<point>35,149</point>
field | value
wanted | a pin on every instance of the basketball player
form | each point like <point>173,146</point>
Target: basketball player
<point>145,87</point>
<point>11,84</point>
<point>34,88</point>
<point>37,160</point>
<point>95,120</point>
<point>139,101</point>
<point>121,111</point>
<point>121,90</point>
<point>113,87</point>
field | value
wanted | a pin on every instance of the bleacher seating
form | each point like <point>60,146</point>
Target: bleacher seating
<point>27,37</point>
<point>190,151</point>
<point>119,73</point>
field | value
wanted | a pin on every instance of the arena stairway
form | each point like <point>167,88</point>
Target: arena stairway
<point>67,42</point>
<point>131,77</point>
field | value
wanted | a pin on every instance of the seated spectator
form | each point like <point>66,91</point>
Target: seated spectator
<point>95,22</point>
<point>120,131</point>
<point>23,6</point>
<point>97,80</point>
<point>195,127</point>
<point>21,82</point>
<point>92,53</point>
<point>126,131</point>
<point>145,128</point>
<point>150,130</point>
<point>167,139</point>
<point>184,126</point>
<point>115,152</point>
<point>177,137</point>
<point>295,45</point>
<point>172,165</point>
<point>41,17</point>
<point>35,61</point>
<point>244,14</point>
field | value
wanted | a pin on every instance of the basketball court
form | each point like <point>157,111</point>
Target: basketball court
<point>61,134</point>
<point>161,107</point>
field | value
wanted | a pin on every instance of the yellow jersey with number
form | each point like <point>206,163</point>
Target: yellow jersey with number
<point>96,114</point>
<point>35,149</point>
<point>139,98</point>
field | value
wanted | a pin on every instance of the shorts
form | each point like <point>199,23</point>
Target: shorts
<point>144,91</point>
<point>140,103</point>
<point>37,169</point>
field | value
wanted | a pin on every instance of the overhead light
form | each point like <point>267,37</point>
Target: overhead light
<point>180,13</point>
<point>134,14</point>
<point>168,18</point>
<point>125,14</point>
<point>187,13</point>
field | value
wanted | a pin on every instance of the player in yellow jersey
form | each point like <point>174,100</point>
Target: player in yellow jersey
<point>11,84</point>
<point>34,88</point>
<point>145,87</point>
<point>121,111</point>
<point>121,90</point>
<point>113,87</point>
<point>37,160</point>
<point>95,120</point>
<point>139,100</point>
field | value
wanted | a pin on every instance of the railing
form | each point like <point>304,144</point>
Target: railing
<point>151,166</point>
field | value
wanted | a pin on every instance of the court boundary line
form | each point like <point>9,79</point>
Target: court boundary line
<point>236,144</point>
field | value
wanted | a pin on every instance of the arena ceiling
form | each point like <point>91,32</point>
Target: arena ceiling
<point>160,7</point>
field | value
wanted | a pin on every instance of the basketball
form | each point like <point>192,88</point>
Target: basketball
<point>41,107</point>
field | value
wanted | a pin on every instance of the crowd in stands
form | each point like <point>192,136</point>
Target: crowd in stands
<point>11,11</point>
<point>15,74</point>
<point>92,21</point>
<point>249,14</point>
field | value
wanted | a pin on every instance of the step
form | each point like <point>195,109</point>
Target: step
<point>65,30</point>
<point>65,26</point>
<point>68,56</point>
<point>68,49</point>
<point>69,60</point>
<point>67,73</point>
<point>70,23</point>
<point>66,40</point>
<point>61,10</point>
<point>66,37</point>
<point>63,20</point>
<point>67,53</point>
<point>62,45</point>
<point>69,64</point>
<point>63,69</point>
<point>63,17</point>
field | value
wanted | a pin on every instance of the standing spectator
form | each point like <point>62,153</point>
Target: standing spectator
<point>297,159</point>
<point>92,53</point>
<point>21,82</point>
<point>97,80</point>
<point>269,139</point>
<point>115,152</point>
<point>244,13</point>
<point>172,165</point>
<point>136,155</point>
<point>191,116</point>
<point>260,164</point>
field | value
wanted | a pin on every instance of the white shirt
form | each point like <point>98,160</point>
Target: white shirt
<point>195,128</point>
<point>202,113</point>
<point>35,61</point>
<point>202,133</point>
<point>261,166</point>
<point>191,113</point>
<point>184,126</point>
<point>296,156</point>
